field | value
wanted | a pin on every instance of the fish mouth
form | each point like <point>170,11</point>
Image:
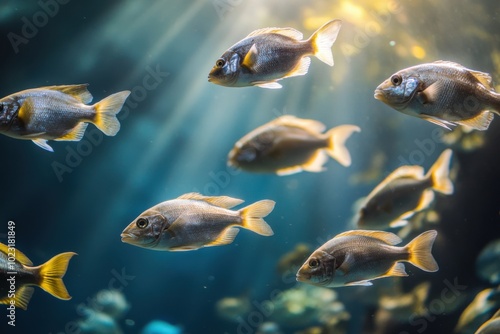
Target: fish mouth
<point>128,237</point>
<point>379,95</point>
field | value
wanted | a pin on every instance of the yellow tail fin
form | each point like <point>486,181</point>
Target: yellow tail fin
<point>420,251</point>
<point>336,143</point>
<point>323,39</point>
<point>106,110</point>
<point>252,217</point>
<point>439,173</point>
<point>51,274</point>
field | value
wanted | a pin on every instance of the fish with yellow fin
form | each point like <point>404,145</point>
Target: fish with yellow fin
<point>356,257</point>
<point>289,145</point>
<point>192,221</point>
<point>403,193</point>
<point>17,277</point>
<point>271,54</point>
<point>443,93</point>
<point>58,113</point>
<point>491,326</point>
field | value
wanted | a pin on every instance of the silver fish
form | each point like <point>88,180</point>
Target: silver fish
<point>444,93</point>
<point>58,113</point>
<point>271,54</point>
<point>403,193</point>
<point>289,145</point>
<point>491,326</point>
<point>359,256</point>
<point>192,221</point>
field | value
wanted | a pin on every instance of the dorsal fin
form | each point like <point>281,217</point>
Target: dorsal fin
<point>220,201</point>
<point>387,237</point>
<point>288,32</point>
<point>449,63</point>
<point>416,172</point>
<point>23,259</point>
<point>79,92</point>
<point>309,124</point>
<point>484,78</point>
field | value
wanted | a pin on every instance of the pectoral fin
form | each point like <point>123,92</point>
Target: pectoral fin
<point>430,94</point>
<point>26,110</point>
<point>250,58</point>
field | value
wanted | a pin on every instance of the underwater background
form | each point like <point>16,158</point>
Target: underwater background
<point>176,132</point>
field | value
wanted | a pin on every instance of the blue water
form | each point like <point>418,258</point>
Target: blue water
<point>176,132</point>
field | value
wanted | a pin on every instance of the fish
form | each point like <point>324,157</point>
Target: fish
<point>403,193</point>
<point>355,258</point>
<point>17,269</point>
<point>444,93</point>
<point>268,55</point>
<point>491,326</point>
<point>478,311</point>
<point>404,305</point>
<point>192,221</point>
<point>289,145</point>
<point>58,113</point>
<point>487,263</point>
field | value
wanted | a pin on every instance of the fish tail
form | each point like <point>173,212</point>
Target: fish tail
<point>337,137</point>
<point>323,39</point>
<point>419,250</point>
<point>252,217</point>
<point>439,173</point>
<point>106,110</point>
<point>51,274</point>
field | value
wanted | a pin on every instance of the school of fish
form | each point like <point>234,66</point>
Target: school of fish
<point>442,92</point>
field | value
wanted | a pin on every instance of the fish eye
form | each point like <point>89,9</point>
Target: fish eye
<point>313,263</point>
<point>220,62</point>
<point>142,223</point>
<point>396,80</point>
